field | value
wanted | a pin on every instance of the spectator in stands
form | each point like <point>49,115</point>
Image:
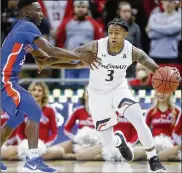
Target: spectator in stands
<point>164,31</point>
<point>161,119</point>
<point>56,11</point>
<point>8,17</point>
<point>143,76</point>
<point>134,33</point>
<point>77,31</point>
<point>85,123</point>
<point>174,153</point>
<point>48,126</point>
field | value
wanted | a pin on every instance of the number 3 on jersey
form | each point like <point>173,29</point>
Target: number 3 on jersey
<point>110,75</point>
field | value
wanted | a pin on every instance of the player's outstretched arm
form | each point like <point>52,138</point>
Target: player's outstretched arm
<point>90,48</point>
<point>140,56</point>
<point>64,55</point>
<point>69,65</point>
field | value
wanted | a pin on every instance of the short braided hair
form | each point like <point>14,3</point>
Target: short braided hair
<point>119,21</point>
<point>24,3</point>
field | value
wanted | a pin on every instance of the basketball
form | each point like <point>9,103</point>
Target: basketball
<point>165,80</point>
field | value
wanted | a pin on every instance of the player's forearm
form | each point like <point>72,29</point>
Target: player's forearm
<point>141,57</point>
<point>47,61</point>
<point>53,51</point>
<point>87,48</point>
<point>64,65</point>
<point>63,54</point>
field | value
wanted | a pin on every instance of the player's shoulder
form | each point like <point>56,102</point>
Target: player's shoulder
<point>127,42</point>
<point>27,25</point>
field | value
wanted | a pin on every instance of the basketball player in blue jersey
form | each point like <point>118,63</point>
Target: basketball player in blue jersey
<point>15,100</point>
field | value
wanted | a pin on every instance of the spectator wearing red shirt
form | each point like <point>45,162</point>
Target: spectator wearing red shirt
<point>123,125</point>
<point>161,119</point>
<point>174,153</point>
<point>143,77</point>
<point>76,31</point>
<point>56,12</point>
<point>12,139</point>
<point>8,148</point>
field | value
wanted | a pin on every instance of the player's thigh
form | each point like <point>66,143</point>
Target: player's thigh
<point>102,112</point>
<point>123,99</point>
<point>10,98</point>
<point>15,121</point>
<point>30,107</point>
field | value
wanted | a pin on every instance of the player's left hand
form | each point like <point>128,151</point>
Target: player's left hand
<point>39,61</point>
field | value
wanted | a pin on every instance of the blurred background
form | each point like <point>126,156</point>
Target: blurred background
<point>69,24</point>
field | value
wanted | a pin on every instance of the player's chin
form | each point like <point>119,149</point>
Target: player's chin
<point>38,22</point>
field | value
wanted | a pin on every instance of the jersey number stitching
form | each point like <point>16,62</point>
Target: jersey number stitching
<point>111,77</point>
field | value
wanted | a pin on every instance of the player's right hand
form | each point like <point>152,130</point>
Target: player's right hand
<point>90,60</point>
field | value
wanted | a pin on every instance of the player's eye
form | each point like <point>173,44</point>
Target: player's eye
<point>38,10</point>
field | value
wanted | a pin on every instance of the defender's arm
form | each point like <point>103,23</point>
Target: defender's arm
<point>63,54</point>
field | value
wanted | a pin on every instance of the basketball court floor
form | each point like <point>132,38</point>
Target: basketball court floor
<point>84,167</point>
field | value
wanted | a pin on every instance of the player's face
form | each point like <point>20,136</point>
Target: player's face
<point>34,13</point>
<point>162,97</point>
<point>125,12</point>
<point>38,93</point>
<point>116,34</point>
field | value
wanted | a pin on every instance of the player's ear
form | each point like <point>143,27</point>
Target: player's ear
<point>126,34</point>
<point>25,12</point>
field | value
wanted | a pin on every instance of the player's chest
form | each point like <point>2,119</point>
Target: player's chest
<point>118,63</point>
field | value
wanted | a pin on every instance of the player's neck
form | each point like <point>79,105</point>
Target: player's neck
<point>22,17</point>
<point>114,50</point>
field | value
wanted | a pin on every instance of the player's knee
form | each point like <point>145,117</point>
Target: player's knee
<point>134,111</point>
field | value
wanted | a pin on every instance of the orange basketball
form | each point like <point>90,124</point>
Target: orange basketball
<point>165,80</point>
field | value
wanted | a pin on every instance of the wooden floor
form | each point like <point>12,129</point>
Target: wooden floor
<point>84,167</point>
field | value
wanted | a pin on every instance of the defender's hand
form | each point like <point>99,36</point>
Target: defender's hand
<point>40,61</point>
<point>81,64</point>
<point>90,60</point>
